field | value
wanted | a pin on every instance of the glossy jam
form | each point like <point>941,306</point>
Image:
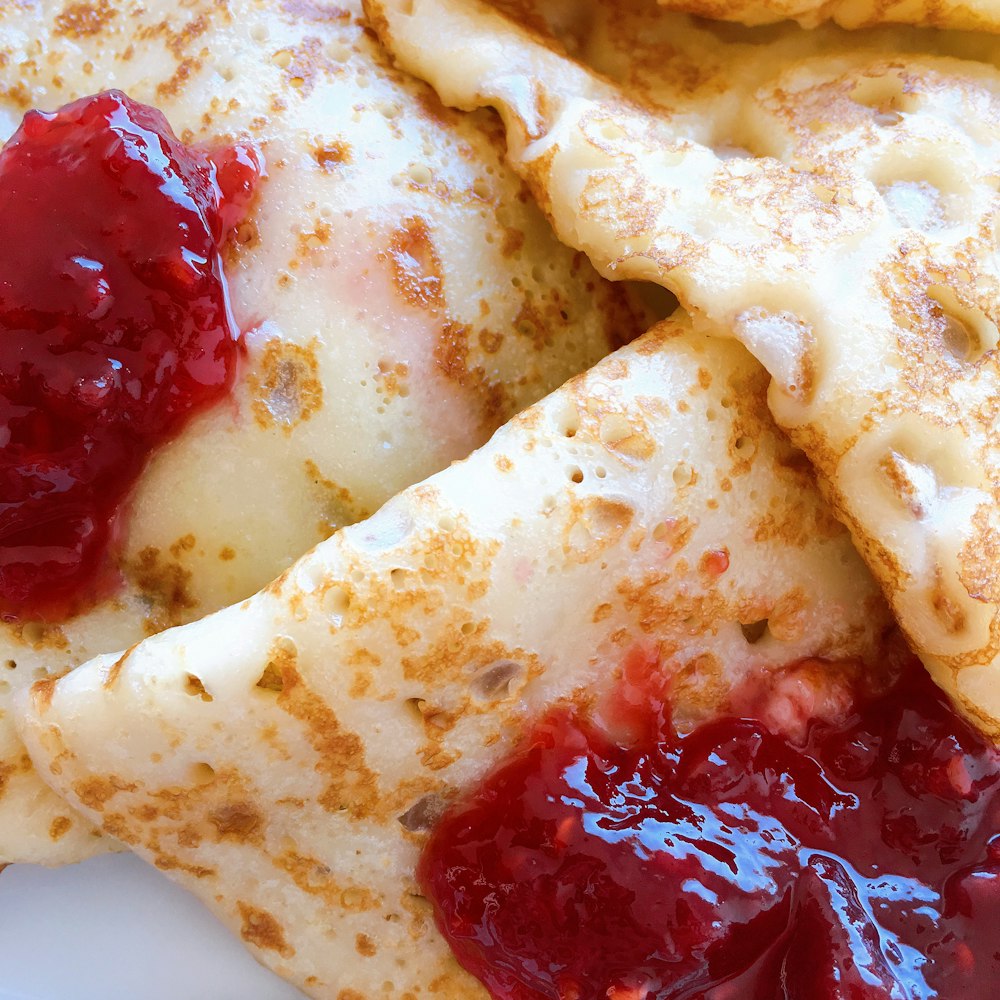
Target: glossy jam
<point>731,863</point>
<point>115,327</point>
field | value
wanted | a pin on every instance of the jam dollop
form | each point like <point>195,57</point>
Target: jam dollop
<point>729,862</point>
<point>115,327</point>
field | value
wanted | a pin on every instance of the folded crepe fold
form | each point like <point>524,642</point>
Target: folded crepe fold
<point>828,200</point>
<point>284,758</point>
<point>398,296</point>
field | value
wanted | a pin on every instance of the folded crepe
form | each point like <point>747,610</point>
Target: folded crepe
<point>400,299</point>
<point>284,758</point>
<point>830,202</point>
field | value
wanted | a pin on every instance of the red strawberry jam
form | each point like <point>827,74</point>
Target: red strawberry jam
<point>115,327</point>
<point>730,863</point>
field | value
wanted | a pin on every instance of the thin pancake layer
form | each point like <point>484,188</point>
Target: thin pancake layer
<point>284,758</point>
<point>836,209</point>
<point>400,298</point>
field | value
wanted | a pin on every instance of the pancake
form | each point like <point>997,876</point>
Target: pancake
<point>833,205</point>
<point>284,758</point>
<point>399,295</point>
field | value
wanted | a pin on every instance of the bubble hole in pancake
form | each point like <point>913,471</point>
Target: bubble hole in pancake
<point>400,298</point>
<point>284,758</point>
<point>829,199</point>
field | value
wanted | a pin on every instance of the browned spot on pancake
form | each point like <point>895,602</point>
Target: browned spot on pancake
<point>22,766</point>
<point>365,945</point>
<point>451,356</point>
<point>53,739</point>
<point>799,521</point>
<point>95,792</point>
<point>701,686</point>
<point>391,380</point>
<point>310,240</point>
<point>115,825</point>
<point>352,785</point>
<point>404,635</point>
<point>246,236</point>
<point>6,770</point>
<point>317,879</point>
<point>79,20</point>
<point>453,553</point>
<point>980,557</point>
<point>350,994</point>
<point>415,265</point>
<point>513,241</point>
<point>113,672</point>
<point>337,503</point>
<point>419,909</point>
<point>164,584</point>
<point>41,694</point>
<point>331,153</point>
<point>951,615</point>
<point>59,827</point>
<point>227,553</point>
<point>286,388</point>
<point>189,837</point>
<point>170,863</point>
<point>179,40</point>
<point>361,683</point>
<point>436,758</point>
<point>303,65</point>
<point>489,341</point>
<point>653,602</point>
<point>146,813</point>
<point>18,95</point>
<point>362,660</point>
<point>172,87</point>
<point>213,805</point>
<point>236,821</point>
<point>458,656</point>
<point>364,657</point>
<point>183,544</point>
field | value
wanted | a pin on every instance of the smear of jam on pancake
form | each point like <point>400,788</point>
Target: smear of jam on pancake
<point>731,862</point>
<point>115,328</point>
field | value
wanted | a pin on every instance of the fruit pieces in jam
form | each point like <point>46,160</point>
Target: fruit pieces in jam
<point>115,327</point>
<point>731,862</point>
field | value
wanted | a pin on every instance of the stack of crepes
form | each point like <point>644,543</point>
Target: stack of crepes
<point>823,204</point>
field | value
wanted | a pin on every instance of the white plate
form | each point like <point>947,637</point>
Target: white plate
<point>114,928</point>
